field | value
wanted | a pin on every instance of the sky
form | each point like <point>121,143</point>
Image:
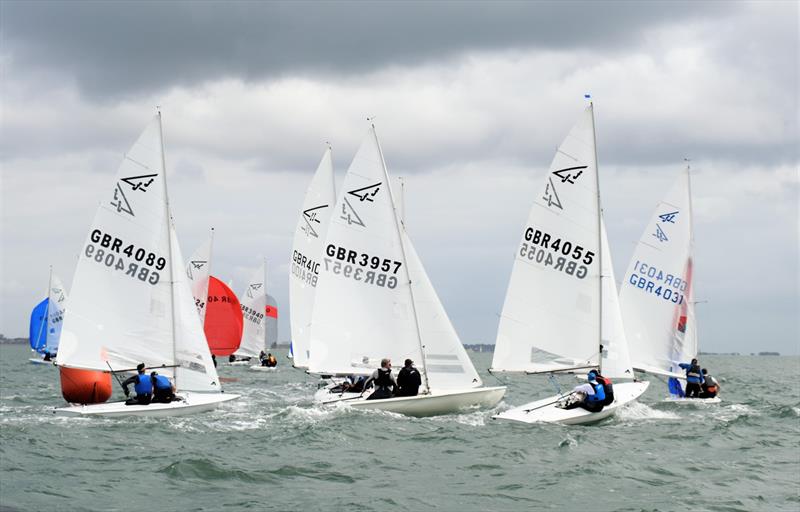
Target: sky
<point>470,100</point>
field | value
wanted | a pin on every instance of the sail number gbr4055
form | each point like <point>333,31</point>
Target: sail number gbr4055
<point>361,266</point>
<point>548,251</point>
<point>135,262</point>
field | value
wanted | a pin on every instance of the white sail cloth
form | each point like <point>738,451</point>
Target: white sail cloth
<point>198,271</point>
<point>254,304</point>
<point>130,299</point>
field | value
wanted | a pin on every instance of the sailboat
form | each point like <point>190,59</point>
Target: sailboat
<point>253,304</point>
<point>131,301</point>
<point>657,293</point>
<point>374,300</point>
<point>307,254</point>
<point>46,321</point>
<point>561,311</point>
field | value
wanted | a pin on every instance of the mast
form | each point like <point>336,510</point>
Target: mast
<point>168,219</point>
<point>599,247</point>
<point>402,200</point>
<point>405,260</point>
<point>266,302</point>
<point>46,324</point>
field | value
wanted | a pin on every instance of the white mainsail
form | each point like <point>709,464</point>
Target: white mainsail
<point>130,300</point>
<point>551,315</point>
<point>198,271</point>
<point>254,304</point>
<point>656,296</point>
<point>56,308</point>
<point>374,299</point>
<point>309,239</point>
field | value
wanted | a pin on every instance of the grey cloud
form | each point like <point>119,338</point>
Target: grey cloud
<point>123,49</point>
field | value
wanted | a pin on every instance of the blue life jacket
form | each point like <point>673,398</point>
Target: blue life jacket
<point>162,383</point>
<point>143,385</point>
<point>693,375</point>
<point>599,394</point>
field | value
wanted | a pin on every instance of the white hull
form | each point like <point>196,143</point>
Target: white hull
<point>240,363</point>
<point>545,410</point>
<point>192,403</point>
<point>697,401</point>
<point>36,360</point>
<point>259,368</point>
<point>437,403</point>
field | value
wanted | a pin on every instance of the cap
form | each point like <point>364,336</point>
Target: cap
<point>409,362</point>
<point>140,367</point>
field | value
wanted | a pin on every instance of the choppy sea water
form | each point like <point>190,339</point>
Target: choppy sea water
<point>273,449</point>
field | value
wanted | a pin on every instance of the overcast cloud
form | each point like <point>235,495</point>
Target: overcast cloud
<point>470,99</point>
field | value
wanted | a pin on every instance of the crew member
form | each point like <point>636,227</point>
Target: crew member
<point>408,380</point>
<point>710,386</point>
<point>270,361</point>
<point>141,384</point>
<point>608,388</point>
<point>589,396</point>
<point>385,385</point>
<point>694,378</point>
<point>163,390</point>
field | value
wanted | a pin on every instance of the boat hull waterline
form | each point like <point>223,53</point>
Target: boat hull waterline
<point>437,403</point>
<point>696,401</point>
<point>191,403</point>
<point>545,410</point>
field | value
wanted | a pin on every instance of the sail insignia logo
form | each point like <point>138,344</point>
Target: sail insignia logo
<point>197,265</point>
<point>668,217</point>
<point>140,183</point>
<point>59,292</point>
<point>364,194</point>
<point>252,289</point>
<point>566,175</point>
<point>310,217</point>
<point>660,235</point>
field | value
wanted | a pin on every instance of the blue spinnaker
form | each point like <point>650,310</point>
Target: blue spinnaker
<point>38,328</point>
<point>675,387</point>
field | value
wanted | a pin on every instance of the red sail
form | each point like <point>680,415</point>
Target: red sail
<point>223,325</point>
<point>85,386</point>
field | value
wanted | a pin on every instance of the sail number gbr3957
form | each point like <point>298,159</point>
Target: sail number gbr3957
<point>361,266</point>
<point>135,262</point>
<point>561,254</point>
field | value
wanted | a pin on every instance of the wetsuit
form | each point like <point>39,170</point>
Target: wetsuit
<point>409,381</point>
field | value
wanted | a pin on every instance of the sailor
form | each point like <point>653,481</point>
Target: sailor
<point>408,380</point>
<point>694,378</point>
<point>384,381</point>
<point>608,388</point>
<point>163,390</point>
<point>589,396</point>
<point>214,358</point>
<point>47,356</point>
<point>231,358</point>
<point>270,361</point>
<point>141,384</point>
<point>710,386</point>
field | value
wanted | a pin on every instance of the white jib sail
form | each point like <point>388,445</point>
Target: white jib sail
<point>656,296</point>
<point>198,270</point>
<point>129,302</point>
<point>307,253</point>
<point>254,304</point>
<point>550,318</point>
<point>56,308</point>
<point>615,359</point>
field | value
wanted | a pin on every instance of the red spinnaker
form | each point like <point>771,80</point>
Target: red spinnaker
<point>224,321</point>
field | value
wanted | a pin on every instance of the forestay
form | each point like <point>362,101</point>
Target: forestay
<point>309,238</point>
<point>656,296</point>
<point>551,315</point>
<point>130,300</point>
<point>254,306</point>
<point>365,308</point>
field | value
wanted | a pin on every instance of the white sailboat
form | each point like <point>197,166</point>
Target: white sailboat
<point>131,301</point>
<point>46,321</point>
<point>374,300</point>
<point>307,247</point>
<point>561,305</point>
<point>198,271</point>
<point>657,294</point>
<point>254,305</point>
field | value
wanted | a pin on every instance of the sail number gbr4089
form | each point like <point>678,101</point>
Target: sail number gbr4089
<point>135,262</point>
<point>361,266</point>
<point>561,254</point>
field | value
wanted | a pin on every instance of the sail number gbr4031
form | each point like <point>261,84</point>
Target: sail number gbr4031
<point>361,266</point>
<point>135,262</point>
<point>565,256</point>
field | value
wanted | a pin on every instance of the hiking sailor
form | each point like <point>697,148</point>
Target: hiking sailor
<point>163,390</point>
<point>408,380</point>
<point>710,386</point>
<point>589,396</point>
<point>141,384</point>
<point>385,385</point>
